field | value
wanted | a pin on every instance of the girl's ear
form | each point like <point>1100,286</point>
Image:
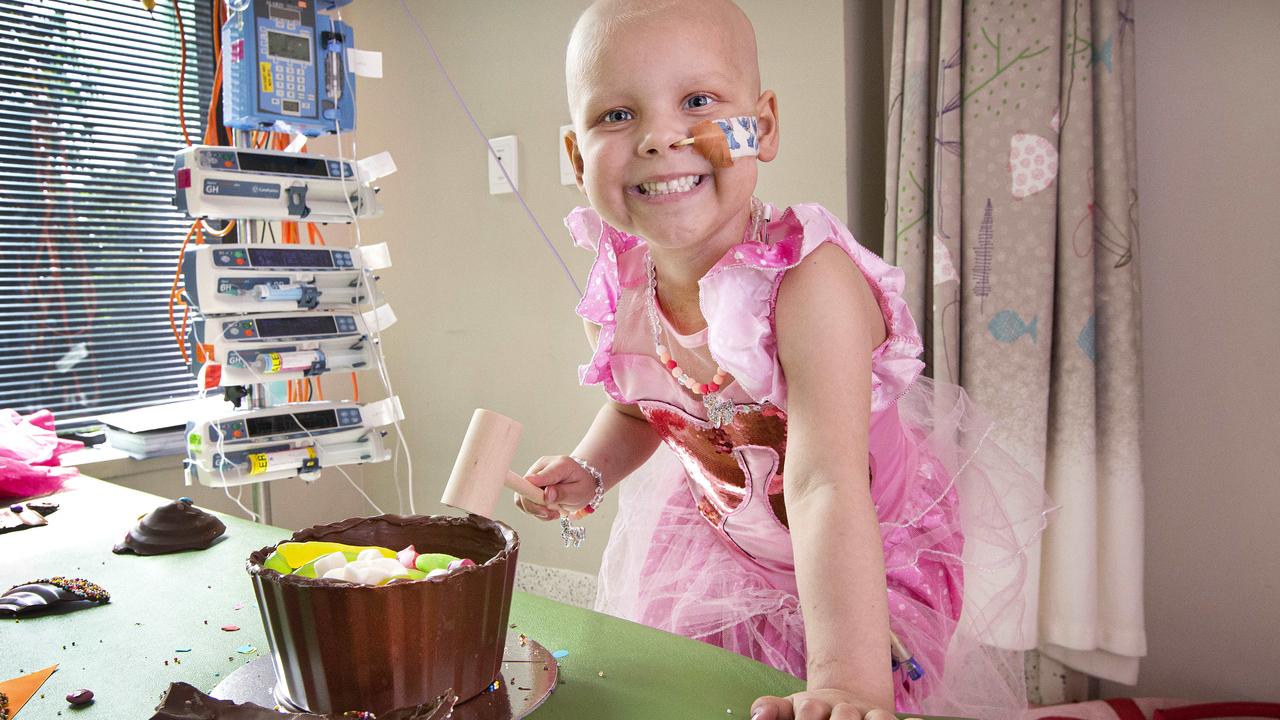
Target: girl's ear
<point>575,156</point>
<point>767,125</point>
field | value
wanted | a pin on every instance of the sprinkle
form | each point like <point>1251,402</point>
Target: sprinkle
<point>230,628</point>
<point>183,649</point>
<point>601,673</point>
<point>245,649</point>
<point>559,653</point>
<point>76,586</point>
<point>238,606</point>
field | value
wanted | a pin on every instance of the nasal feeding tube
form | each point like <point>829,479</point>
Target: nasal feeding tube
<point>722,141</point>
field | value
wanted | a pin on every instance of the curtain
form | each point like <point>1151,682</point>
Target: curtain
<point>1011,203</point>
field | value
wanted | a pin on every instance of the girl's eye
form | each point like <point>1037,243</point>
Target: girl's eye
<point>616,116</point>
<point>698,101</point>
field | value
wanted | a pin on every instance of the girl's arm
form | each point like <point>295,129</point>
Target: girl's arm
<point>828,324</point>
<point>618,441</point>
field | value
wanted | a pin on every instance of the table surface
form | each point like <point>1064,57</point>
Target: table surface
<point>127,651</point>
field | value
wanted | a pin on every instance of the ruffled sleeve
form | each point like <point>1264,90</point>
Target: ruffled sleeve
<point>599,303</point>
<point>739,293</point>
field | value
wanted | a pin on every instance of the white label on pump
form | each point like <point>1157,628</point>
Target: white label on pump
<point>297,143</point>
<point>376,166</point>
<point>384,412</point>
<point>374,257</point>
<point>379,319</point>
<point>365,63</point>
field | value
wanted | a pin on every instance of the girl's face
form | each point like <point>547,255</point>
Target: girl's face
<point>652,81</point>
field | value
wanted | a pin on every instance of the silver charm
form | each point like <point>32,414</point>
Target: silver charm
<point>571,534</point>
<point>720,411</point>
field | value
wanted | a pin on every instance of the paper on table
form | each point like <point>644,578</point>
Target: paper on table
<point>169,415</point>
<point>20,689</point>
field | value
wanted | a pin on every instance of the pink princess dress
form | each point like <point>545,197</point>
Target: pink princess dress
<point>701,547</point>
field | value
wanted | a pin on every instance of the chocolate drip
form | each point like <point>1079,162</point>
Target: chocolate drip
<point>174,527</point>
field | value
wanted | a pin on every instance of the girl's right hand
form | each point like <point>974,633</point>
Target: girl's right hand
<point>567,487</point>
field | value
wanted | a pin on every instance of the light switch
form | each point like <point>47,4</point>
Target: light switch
<point>567,176</point>
<point>506,149</point>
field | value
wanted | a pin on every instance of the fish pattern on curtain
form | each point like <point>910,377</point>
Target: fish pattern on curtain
<point>1011,203</point>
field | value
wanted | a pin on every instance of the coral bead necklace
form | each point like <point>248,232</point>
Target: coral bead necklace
<point>720,410</point>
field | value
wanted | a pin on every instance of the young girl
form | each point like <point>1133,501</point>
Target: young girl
<point>748,338</point>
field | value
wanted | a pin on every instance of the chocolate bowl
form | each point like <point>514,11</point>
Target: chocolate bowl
<point>338,646</point>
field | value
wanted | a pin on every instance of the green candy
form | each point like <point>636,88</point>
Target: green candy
<point>277,562</point>
<point>408,575</point>
<point>434,561</point>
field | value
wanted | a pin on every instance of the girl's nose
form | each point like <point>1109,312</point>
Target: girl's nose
<point>659,139</point>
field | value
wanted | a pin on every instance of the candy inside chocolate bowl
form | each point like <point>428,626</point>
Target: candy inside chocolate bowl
<point>338,646</point>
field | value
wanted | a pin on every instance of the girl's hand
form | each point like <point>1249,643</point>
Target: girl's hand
<point>566,487</point>
<point>817,705</point>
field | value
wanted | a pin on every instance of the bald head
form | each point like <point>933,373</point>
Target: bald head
<point>720,24</point>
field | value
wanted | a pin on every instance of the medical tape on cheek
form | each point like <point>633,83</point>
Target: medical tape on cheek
<point>724,140</point>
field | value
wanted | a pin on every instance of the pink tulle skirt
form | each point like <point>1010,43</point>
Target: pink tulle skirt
<point>960,524</point>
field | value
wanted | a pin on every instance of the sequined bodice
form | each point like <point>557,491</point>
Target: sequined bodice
<point>735,474</point>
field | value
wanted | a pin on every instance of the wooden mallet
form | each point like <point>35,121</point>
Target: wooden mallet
<point>483,466</point>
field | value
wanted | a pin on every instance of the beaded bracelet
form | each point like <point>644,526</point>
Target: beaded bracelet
<point>596,475</point>
<point>574,535</point>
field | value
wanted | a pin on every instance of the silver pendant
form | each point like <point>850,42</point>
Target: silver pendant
<point>573,536</point>
<point>720,411</point>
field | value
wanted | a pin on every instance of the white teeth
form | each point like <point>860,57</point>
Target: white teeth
<point>679,185</point>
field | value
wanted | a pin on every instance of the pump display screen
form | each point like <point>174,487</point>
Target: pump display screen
<point>297,422</point>
<point>289,327</point>
<point>283,164</point>
<point>275,12</point>
<point>280,258</point>
<point>289,47</point>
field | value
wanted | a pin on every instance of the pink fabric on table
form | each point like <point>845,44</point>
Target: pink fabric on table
<point>29,452</point>
<point>700,546</point>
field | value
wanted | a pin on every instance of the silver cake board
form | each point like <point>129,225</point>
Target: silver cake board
<point>529,675</point>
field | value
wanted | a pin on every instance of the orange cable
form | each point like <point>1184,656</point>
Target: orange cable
<point>182,74</point>
<point>173,290</point>
<point>319,388</point>
<point>355,388</point>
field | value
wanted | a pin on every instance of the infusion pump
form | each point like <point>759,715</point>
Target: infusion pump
<point>280,442</point>
<point>225,183</point>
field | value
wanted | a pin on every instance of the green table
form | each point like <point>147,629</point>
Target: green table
<point>128,651</point>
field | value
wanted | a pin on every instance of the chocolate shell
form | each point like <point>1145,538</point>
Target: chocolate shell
<point>174,527</point>
<point>183,702</point>
<point>336,644</point>
<point>58,593</point>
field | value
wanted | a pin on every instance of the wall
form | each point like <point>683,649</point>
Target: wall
<point>1207,147</point>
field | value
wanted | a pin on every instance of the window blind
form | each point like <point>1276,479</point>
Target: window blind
<point>89,237</point>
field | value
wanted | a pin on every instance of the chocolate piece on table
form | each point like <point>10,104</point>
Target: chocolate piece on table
<point>20,517</point>
<point>44,507</point>
<point>172,527</point>
<point>183,702</point>
<point>50,594</point>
